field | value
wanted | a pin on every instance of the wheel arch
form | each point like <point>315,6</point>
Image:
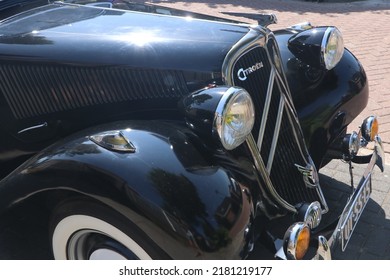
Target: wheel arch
<point>165,193</point>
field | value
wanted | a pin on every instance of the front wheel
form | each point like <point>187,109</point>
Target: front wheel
<point>83,230</point>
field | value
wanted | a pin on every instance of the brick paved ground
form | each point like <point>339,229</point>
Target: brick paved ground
<point>371,239</point>
<point>366,29</point>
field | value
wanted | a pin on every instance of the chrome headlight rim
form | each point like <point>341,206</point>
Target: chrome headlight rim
<point>331,59</point>
<point>223,107</point>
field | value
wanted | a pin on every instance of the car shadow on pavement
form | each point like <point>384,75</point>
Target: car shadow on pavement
<point>371,237</point>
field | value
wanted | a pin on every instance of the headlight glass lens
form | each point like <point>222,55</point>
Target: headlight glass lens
<point>234,117</point>
<point>332,47</point>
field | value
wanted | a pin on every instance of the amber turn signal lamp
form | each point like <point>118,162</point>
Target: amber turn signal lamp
<point>302,243</point>
<point>370,128</point>
<point>297,241</point>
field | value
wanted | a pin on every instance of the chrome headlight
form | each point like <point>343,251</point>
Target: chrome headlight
<point>222,114</point>
<point>332,47</point>
<point>321,47</point>
<point>234,117</point>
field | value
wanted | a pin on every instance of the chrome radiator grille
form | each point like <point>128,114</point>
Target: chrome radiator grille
<point>276,131</point>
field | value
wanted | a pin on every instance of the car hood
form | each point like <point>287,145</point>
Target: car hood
<point>77,34</point>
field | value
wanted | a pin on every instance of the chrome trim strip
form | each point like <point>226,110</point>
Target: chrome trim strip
<point>376,159</point>
<point>311,163</point>
<point>278,123</point>
<point>321,194</point>
<point>285,91</point>
<point>256,37</point>
<point>168,220</point>
<point>33,127</point>
<point>260,166</point>
<point>296,136</point>
<point>267,104</point>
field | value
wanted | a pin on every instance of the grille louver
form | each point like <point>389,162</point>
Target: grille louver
<point>34,90</point>
<point>275,131</point>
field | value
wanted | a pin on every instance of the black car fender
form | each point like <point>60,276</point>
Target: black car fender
<point>326,100</point>
<point>168,186</point>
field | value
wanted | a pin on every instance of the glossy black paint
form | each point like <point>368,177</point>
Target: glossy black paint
<point>48,48</point>
<point>12,7</point>
<point>73,34</point>
<point>326,101</point>
<point>92,37</point>
<point>199,110</point>
<point>195,200</point>
<point>306,46</point>
<point>191,207</point>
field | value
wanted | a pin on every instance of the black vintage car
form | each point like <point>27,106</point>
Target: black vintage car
<point>152,133</point>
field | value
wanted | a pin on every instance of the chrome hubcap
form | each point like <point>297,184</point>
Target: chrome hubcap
<point>94,245</point>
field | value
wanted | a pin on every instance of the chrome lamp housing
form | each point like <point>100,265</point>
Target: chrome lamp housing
<point>225,114</point>
<point>321,47</point>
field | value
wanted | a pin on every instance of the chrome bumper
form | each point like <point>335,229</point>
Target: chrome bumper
<point>355,201</point>
<point>351,213</point>
<point>348,221</point>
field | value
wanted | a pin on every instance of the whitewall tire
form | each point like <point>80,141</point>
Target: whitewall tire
<point>89,230</point>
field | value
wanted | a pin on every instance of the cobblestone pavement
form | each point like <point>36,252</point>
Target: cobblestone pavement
<point>365,26</point>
